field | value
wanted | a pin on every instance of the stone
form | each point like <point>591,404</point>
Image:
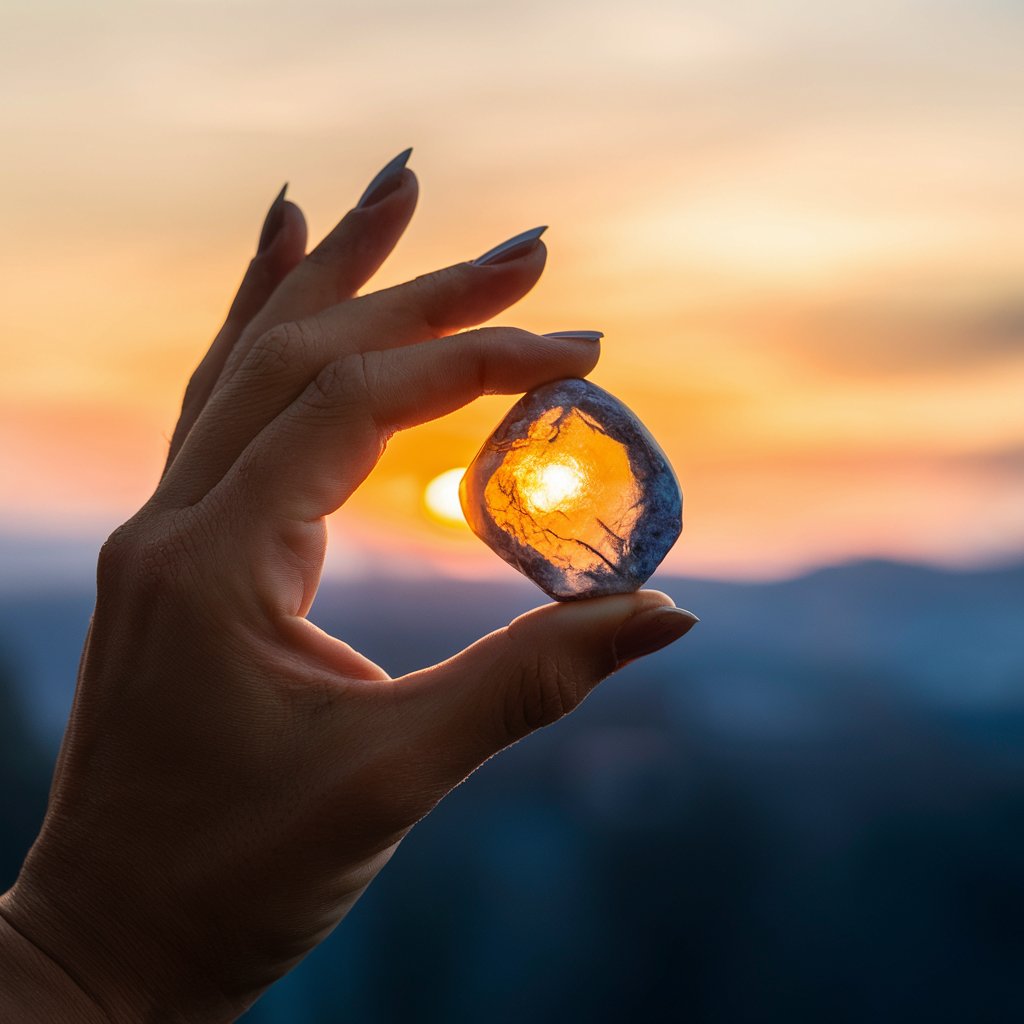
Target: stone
<point>572,490</point>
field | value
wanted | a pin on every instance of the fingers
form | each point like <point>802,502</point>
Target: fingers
<point>528,675</point>
<point>281,247</point>
<point>310,459</point>
<point>282,286</point>
<point>431,306</point>
<point>346,258</point>
<point>283,362</point>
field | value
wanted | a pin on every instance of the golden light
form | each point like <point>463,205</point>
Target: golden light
<point>545,491</point>
<point>441,497</point>
<point>551,485</point>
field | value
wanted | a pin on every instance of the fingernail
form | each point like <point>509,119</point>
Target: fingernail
<point>651,630</point>
<point>386,181</point>
<point>575,335</point>
<point>515,247</point>
<point>272,223</point>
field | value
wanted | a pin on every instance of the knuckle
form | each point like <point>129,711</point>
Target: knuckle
<point>281,349</point>
<point>342,394</point>
<point>545,690</point>
<point>148,553</point>
<point>117,553</point>
<point>353,381</point>
<point>341,382</point>
<point>158,560</point>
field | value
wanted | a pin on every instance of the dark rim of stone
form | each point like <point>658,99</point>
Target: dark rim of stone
<point>661,520</point>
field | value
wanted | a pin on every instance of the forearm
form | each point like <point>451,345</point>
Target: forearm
<point>34,988</point>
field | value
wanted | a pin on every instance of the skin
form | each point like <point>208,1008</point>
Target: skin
<point>232,778</point>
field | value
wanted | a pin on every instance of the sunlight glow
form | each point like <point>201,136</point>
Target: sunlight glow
<point>552,485</point>
<point>441,497</point>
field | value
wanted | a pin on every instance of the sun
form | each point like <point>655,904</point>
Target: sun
<point>552,485</point>
<point>441,497</point>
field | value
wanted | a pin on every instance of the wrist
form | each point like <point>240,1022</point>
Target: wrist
<point>121,957</point>
<point>99,968</point>
<point>34,987</point>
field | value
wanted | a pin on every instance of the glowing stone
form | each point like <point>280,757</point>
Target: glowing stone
<point>573,491</point>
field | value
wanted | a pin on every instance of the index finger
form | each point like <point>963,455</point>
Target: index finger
<point>349,255</point>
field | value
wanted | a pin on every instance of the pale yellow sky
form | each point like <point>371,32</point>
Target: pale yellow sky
<point>799,227</point>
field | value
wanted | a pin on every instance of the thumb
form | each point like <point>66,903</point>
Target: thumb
<point>533,672</point>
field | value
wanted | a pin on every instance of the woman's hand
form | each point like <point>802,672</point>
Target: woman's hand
<point>232,778</point>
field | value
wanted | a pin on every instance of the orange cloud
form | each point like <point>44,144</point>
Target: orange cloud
<point>797,231</point>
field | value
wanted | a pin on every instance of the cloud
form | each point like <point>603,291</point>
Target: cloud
<point>794,222</point>
<point>1001,329</point>
<point>881,335</point>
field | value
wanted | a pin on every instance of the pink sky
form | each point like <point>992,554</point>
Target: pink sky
<point>800,232</point>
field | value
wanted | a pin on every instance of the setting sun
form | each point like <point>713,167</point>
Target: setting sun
<point>441,497</point>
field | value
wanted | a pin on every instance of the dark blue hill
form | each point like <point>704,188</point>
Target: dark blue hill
<point>811,809</point>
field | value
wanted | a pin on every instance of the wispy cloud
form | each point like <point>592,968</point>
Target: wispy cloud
<point>797,224</point>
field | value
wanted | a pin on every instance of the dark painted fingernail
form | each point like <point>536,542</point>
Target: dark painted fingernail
<point>273,222</point>
<point>388,178</point>
<point>649,631</point>
<point>515,247</point>
<point>575,335</point>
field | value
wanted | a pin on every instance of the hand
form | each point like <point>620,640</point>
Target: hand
<point>232,778</point>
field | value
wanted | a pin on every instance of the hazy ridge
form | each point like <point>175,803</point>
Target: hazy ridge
<point>812,808</point>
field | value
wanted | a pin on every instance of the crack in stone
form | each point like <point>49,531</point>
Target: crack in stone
<point>602,520</point>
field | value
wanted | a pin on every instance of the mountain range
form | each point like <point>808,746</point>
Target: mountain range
<point>811,808</point>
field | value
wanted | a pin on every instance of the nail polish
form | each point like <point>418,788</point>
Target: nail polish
<point>575,335</point>
<point>650,631</point>
<point>518,245</point>
<point>273,222</point>
<point>385,181</point>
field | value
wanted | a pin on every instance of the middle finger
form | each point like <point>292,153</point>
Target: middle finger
<point>281,363</point>
<point>349,255</point>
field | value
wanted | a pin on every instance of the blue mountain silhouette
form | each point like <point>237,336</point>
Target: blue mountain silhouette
<point>810,809</point>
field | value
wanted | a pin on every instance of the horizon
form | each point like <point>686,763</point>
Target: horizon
<point>810,296</point>
<point>39,562</point>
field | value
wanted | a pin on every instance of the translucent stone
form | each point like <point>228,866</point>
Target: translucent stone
<point>573,491</point>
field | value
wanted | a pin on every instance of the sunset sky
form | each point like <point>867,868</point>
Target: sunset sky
<point>799,226</point>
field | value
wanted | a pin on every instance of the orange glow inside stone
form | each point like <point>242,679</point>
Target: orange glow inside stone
<point>573,491</point>
<point>566,491</point>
